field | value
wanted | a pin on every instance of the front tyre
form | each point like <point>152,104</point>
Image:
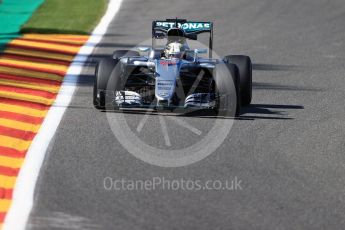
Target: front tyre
<point>227,85</point>
<point>244,65</point>
<point>102,75</point>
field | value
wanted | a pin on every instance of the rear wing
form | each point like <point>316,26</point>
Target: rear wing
<point>190,28</point>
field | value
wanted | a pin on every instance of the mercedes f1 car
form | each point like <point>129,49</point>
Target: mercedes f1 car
<point>174,77</point>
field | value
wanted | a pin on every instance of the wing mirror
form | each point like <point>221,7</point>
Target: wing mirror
<point>200,51</point>
<point>143,48</point>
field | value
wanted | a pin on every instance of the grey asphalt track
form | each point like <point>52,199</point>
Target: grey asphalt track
<point>287,148</point>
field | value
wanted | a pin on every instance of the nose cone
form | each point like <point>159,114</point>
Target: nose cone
<point>167,71</point>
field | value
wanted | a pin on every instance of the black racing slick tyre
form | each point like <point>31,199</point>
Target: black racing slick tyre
<point>102,75</point>
<point>244,65</point>
<point>128,53</point>
<point>227,85</point>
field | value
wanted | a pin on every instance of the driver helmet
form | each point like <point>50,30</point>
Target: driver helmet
<point>175,50</point>
<point>176,45</point>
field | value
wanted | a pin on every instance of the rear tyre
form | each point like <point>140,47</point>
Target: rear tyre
<point>244,65</point>
<point>102,75</point>
<point>128,53</point>
<point>227,85</point>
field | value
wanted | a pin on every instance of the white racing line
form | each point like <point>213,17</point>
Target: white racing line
<point>23,194</point>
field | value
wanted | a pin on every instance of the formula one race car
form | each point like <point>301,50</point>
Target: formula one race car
<point>174,77</point>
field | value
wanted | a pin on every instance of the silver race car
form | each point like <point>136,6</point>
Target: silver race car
<point>173,76</point>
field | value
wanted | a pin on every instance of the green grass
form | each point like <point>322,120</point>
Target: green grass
<point>66,17</point>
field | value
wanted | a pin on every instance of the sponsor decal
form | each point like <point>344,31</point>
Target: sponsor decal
<point>164,88</point>
<point>188,26</point>
<point>164,85</point>
<point>167,62</point>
